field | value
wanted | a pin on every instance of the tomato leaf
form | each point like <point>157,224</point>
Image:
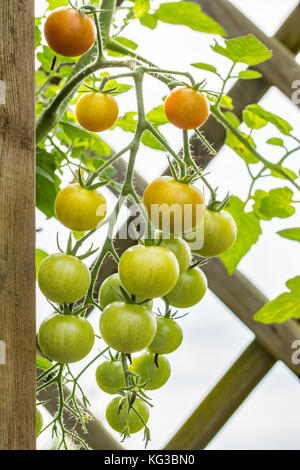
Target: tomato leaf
<point>282,125</point>
<point>290,233</point>
<point>276,203</point>
<point>47,182</point>
<point>203,66</point>
<point>289,172</point>
<point>141,7</point>
<point>43,363</point>
<point>284,307</point>
<point>39,256</point>
<point>157,116</point>
<point>233,142</point>
<point>246,49</point>
<point>188,14</point>
<point>57,3</point>
<point>248,231</point>
<point>149,20</point>
<point>253,120</point>
<point>249,74</point>
<point>275,141</point>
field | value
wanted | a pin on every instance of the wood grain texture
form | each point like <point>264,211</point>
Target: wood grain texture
<point>220,404</point>
<point>282,69</point>
<point>17,226</point>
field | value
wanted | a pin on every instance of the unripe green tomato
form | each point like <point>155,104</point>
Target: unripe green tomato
<point>66,338</point>
<point>107,292</point>
<point>39,422</point>
<point>63,279</point>
<point>79,208</point>
<point>127,328</point>
<point>189,290</point>
<point>181,250</point>
<point>148,271</point>
<point>146,368</point>
<point>220,232</point>
<point>168,336</point>
<point>110,376</point>
<point>118,419</point>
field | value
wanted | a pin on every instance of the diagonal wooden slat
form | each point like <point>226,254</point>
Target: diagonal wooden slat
<point>220,404</point>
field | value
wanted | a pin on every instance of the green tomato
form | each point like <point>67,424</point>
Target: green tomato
<point>181,250</point>
<point>146,368</point>
<point>189,290</point>
<point>117,419</point>
<point>107,292</point>
<point>148,271</point>
<point>63,279</point>
<point>127,328</point>
<point>219,233</point>
<point>110,376</point>
<point>168,336</point>
<point>39,422</point>
<point>66,338</point>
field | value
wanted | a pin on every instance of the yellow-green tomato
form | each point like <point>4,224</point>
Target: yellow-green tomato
<point>181,250</point>
<point>63,279</point>
<point>189,289</point>
<point>66,338</point>
<point>219,233</point>
<point>117,419</point>
<point>109,289</point>
<point>110,377</point>
<point>39,422</point>
<point>148,271</point>
<point>80,209</point>
<point>127,328</point>
<point>145,367</point>
<point>168,336</point>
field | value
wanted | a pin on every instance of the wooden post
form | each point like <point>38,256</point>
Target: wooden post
<point>17,226</point>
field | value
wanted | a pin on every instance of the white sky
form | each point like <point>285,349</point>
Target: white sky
<point>213,336</point>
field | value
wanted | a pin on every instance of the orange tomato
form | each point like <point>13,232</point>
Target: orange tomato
<point>187,108</point>
<point>172,206</point>
<point>68,33</point>
<point>97,112</point>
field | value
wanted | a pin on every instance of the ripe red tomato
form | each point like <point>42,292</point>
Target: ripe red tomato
<point>68,33</point>
<point>80,209</point>
<point>97,112</point>
<point>189,289</point>
<point>148,271</point>
<point>187,108</point>
<point>172,206</point>
<point>66,338</point>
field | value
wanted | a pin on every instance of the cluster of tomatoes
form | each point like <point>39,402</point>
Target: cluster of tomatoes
<point>157,268</point>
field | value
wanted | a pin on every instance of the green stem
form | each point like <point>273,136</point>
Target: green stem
<point>107,11</point>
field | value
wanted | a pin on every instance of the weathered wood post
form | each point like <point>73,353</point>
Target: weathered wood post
<point>17,226</point>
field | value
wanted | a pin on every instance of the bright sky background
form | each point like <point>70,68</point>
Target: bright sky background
<point>213,336</point>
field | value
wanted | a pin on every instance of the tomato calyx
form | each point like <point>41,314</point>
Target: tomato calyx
<point>88,183</point>
<point>216,206</point>
<point>72,250</point>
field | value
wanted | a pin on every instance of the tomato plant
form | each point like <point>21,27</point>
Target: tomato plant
<point>76,99</point>
<point>66,338</point>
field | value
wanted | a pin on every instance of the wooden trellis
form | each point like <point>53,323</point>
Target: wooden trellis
<point>272,343</point>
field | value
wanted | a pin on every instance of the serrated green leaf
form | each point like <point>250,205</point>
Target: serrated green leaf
<point>284,307</point>
<point>290,233</point>
<point>248,231</point>
<point>157,116</point>
<point>275,141</point>
<point>43,363</point>
<point>249,74</point>
<point>289,172</point>
<point>233,142</point>
<point>226,102</point>
<point>276,203</point>
<point>188,14</point>
<point>141,7</point>
<point>82,139</point>
<point>53,4</point>
<point>40,255</point>
<point>245,49</point>
<point>252,119</point>
<point>149,20</point>
<point>149,140</point>
<point>233,119</point>
<point>203,66</point>
<point>282,125</point>
<point>127,122</point>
